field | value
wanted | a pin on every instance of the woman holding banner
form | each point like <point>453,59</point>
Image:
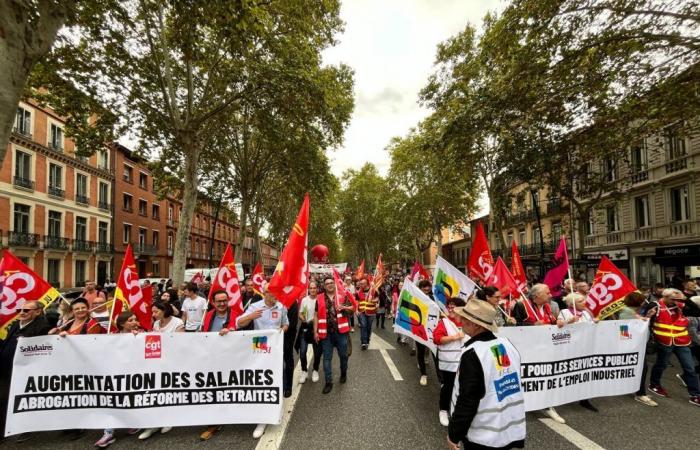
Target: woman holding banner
<point>82,323</point>
<point>492,295</point>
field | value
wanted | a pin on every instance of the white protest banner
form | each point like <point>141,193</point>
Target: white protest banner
<point>580,361</point>
<point>145,380</point>
<point>328,268</point>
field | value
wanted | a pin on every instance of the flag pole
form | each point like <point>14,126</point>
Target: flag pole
<point>568,270</point>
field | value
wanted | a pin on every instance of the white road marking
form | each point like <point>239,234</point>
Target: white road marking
<point>571,435</point>
<point>377,343</point>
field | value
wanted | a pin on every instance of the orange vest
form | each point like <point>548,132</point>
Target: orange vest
<point>366,305</point>
<point>343,324</point>
<point>671,328</point>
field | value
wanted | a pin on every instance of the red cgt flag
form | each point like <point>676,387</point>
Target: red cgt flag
<point>480,264</point>
<point>608,290</point>
<point>258,278</point>
<point>291,277</point>
<point>503,279</point>
<point>516,268</point>
<point>129,294</point>
<point>19,284</point>
<point>360,270</point>
<point>226,279</point>
<point>418,273</point>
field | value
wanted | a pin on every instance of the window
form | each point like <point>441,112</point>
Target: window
<point>510,238</point>
<point>610,170</point>
<point>53,272</point>
<point>639,158</point>
<point>680,204</point>
<point>81,188</point>
<point>170,213</point>
<point>589,224</point>
<point>103,160</point>
<point>143,208</point>
<point>612,218</point>
<point>81,229</point>
<point>155,212</point>
<point>55,180</point>
<point>536,236</point>
<point>556,231</point>
<point>156,268</point>
<point>23,122</point>
<point>155,238</point>
<point>641,211</point>
<point>521,237</point>
<point>21,218</point>
<point>127,233</point>
<point>142,236</point>
<point>127,203</point>
<point>102,232</point>
<point>56,137</point>
<point>170,240</point>
<point>54,224</point>
<point>23,166</point>
<point>128,174</point>
<point>80,273</point>
<point>535,199</point>
<point>103,195</point>
<point>674,144</point>
<point>143,180</point>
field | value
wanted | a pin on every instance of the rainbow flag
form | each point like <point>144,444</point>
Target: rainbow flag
<point>416,315</point>
<point>449,281</point>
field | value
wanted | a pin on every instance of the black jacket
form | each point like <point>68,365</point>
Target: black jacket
<point>39,327</point>
<point>471,391</point>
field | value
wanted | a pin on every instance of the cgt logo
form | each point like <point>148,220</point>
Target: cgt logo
<point>153,346</point>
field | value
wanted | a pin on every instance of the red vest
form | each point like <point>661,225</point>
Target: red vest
<point>547,316</point>
<point>367,306</point>
<point>343,324</point>
<point>671,327</point>
<point>230,321</point>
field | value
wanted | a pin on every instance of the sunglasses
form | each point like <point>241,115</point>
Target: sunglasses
<point>22,310</point>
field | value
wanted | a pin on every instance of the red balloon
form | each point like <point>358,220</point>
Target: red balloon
<point>319,253</point>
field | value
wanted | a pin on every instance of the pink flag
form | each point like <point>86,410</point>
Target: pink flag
<point>556,275</point>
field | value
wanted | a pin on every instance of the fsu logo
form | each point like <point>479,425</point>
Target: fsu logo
<point>153,346</point>
<point>260,345</point>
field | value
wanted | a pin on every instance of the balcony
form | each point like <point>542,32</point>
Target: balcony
<point>639,175</point>
<point>526,215</point>
<point>105,206</point>
<point>57,192</point>
<point>56,242</point>
<point>80,245</point>
<point>82,199</point>
<point>18,239</point>
<point>24,183</point>
<point>145,249</point>
<point>23,131</point>
<point>677,164</point>
<point>56,146</point>
<point>554,206</point>
<point>103,247</point>
<point>671,231</point>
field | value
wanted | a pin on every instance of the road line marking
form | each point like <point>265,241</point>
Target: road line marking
<point>392,367</point>
<point>272,439</point>
<point>571,435</point>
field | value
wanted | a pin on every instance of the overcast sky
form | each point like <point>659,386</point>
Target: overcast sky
<point>390,44</point>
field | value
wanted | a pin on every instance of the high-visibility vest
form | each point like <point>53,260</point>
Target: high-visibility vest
<point>366,305</point>
<point>500,417</point>
<point>448,355</point>
<point>342,321</point>
<point>671,327</point>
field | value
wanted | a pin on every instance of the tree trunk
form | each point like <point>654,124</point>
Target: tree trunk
<point>257,248</point>
<point>243,227</point>
<point>191,149</point>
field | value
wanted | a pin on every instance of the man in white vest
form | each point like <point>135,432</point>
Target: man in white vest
<point>488,408</point>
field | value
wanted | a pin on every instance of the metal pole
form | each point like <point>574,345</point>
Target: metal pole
<point>536,208</point>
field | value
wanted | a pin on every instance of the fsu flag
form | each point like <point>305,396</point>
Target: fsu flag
<point>608,290</point>
<point>449,281</point>
<point>19,284</point>
<point>226,279</point>
<point>516,268</point>
<point>258,279</point>
<point>480,264</point>
<point>418,273</point>
<point>129,294</point>
<point>503,279</point>
<point>556,274</point>
<point>360,270</point>
<point>197,278</point>
<point>291,277</point>
<point>416,315</point>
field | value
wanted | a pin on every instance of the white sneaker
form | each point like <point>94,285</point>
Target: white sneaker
<point>645,399</point>
<point>165,430</point>
<point>148,432</point>
<point>423,380</point>
<point>314,376</point>
<point>444,419</point>
<point>552,413</point>
<point>302,378</point>
<point>259,431</point>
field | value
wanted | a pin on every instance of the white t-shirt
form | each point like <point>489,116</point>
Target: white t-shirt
<point>567,314</point>
<point>171,327</point>
<point>195,310</point>
<point>308,308</point>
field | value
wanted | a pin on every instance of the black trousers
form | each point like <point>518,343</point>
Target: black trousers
<point>381,317</point>
<point>288,363</point>
<point>448,382</point>
<point>4,400</point>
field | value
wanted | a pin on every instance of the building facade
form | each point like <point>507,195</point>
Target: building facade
<point>57,205</point>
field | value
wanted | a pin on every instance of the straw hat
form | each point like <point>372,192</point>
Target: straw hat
<point>479,312</point>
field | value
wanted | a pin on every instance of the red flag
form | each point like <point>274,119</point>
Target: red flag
<point>608,290</point>
<point>378,278</point>
<point>555,276</point>
<point>418,273</point>
<point>360,270</point>
<point>197,278</point>
<point>516,268</point>
<point>503,279</point>
<point>20,284</point>
<point>340,291</point>
<point>480,264</point>
<point>129,294</point>
<point>291,277</point>
<point>258,279</point>
<point>226,279</point>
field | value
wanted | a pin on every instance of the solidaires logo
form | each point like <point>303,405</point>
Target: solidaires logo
<point>32,350</point>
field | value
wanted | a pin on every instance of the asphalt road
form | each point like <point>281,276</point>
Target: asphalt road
<point>374,411</point>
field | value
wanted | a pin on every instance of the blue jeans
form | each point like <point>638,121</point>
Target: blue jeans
<point>339,341</point>
<point>303,346</point>
<point>663,353</point>
<point>365,328</point>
